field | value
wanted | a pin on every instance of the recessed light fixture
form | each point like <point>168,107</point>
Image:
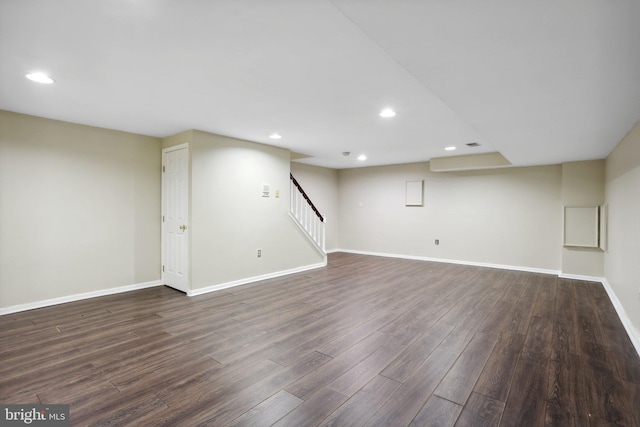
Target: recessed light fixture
<point>451,148</point>
<point>387,112</point>
<point>362,157</point>
<point>40,78</point>
<point>275,136</point>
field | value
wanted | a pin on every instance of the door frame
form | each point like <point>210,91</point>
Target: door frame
<point>162,223</point>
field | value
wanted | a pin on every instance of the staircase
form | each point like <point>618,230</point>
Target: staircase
<point>307,216</point>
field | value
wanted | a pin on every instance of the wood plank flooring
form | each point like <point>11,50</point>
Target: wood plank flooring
<point>365,341</point>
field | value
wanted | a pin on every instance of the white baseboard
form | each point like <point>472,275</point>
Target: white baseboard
<point>633,333</point>
<point>248,280</point>
<point>581,277</point>
<point>454,261</point>
<point>77,297</point>
<point>127,288</point>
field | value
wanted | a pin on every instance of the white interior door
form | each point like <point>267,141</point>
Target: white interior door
<point>175,217</point>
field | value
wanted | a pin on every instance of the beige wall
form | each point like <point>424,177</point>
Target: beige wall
<point>177,139</point>
<point>622,266</point>
<point>321,185</point>
<point>80,212</point>
<point>507,216</point>
<point>583,185</point>
<point>80,209</point>
<point>230,219</point>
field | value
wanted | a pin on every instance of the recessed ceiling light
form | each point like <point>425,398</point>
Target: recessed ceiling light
<point>275,136</point>
<point>450,148</point>
<point>387,112</point>
<point>362,157</point>
<point>40,78</point>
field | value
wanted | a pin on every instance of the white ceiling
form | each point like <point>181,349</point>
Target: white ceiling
<point>540,81</point>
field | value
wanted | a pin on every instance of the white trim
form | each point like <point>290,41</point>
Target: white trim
<point>175,147</point>
<point>454,261</point>
<point>580,277</point>
<point>633,333</point>
<point>77,297</point>
<point>213,288</point>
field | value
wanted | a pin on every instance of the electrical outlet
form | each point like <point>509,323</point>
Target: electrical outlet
<point>437,242</point>
<point>259,253</point>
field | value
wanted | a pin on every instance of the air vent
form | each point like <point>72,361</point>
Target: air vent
<point>473,144</point>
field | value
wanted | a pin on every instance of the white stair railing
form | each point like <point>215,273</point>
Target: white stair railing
<point>306,215</point>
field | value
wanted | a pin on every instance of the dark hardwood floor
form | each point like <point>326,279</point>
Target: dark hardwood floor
<point>365,341</point>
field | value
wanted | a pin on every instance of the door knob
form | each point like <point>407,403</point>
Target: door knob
<point>183,227</point>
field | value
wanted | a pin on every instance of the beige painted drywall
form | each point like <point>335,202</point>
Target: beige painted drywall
<point>321,185</point>
<point>583,185</point>
<point>468,162</point>
<point>177,139</point>
<point>506,216</point>
<point>230,220</point>
<point>80,209</point>
<point>622,189</point>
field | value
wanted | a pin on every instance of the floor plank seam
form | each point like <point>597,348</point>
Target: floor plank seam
<point>505,345</point>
